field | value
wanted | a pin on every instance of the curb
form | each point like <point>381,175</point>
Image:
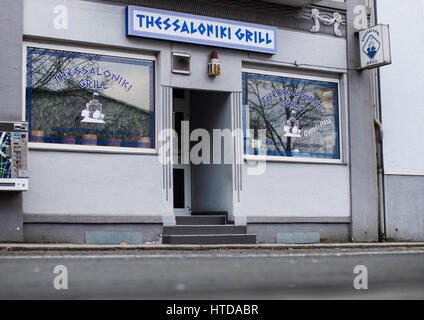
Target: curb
<point>164,247</point>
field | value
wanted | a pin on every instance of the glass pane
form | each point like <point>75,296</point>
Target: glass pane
<point>76,98</point>
<point>300,117</point>
<point>179,189</point>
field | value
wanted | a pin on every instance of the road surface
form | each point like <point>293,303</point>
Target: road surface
<point>248,274</point>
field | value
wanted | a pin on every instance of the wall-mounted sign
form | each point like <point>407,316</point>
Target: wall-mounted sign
<point>167,25</point>
<point>374,44</point>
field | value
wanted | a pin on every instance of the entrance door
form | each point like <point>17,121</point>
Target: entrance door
<point>181,172</point>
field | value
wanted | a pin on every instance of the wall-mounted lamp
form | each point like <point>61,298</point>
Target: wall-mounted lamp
<point>214,66</point>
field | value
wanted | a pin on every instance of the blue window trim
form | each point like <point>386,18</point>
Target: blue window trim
<point>90,57</point>
<point>333,85</point>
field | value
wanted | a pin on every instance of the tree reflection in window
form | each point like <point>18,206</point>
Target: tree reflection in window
<point>270,102</point>
<point>54,103</point>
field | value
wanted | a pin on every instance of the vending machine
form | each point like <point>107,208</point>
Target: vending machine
<point>13,156</point>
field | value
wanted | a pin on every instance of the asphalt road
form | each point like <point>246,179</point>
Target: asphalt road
<point>214,275</point>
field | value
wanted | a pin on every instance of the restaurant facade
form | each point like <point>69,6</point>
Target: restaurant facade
<point>147,118</point>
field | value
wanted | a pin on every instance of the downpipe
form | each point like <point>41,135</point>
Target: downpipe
<point>376,93</point>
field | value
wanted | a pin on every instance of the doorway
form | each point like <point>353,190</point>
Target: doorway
<point>205,186</point>
<point>181,171</point>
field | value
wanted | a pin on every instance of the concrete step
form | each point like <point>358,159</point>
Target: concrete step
<point>210,239</point>
<point>201,220</point>
<point>210,213</point>
<point>203,230</point>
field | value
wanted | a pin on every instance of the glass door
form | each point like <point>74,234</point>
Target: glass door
<point>181,172</point>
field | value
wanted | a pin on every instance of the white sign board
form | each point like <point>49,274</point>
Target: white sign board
<point>174,26</point>
<point>374,45</point>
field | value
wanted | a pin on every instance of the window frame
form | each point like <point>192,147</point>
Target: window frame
<point>103,52</point>
<point>300,76</point>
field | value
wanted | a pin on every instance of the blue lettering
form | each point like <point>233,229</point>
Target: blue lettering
<point>76,69</point>
<point>176,25</point>
<point>55,77</point>
<point>82,83</point>
<point>62,76</point>
<point>85,70</point>
<point>89,83</point>
<point>107,73</point>
<point>69,74</point>
<point>223,32</point>
<point>92,71</point>
<point>185,28</point>
<point>248,35</point>
<point>260,38</point>
<point>167,24</point>
<point>201,28</point>
<point>192,28</point>
<point>125,83</point>
<point>268,40</point>
<point>210,29</point>
<point>116,78</point>
<point>150,22</point>
<point>159,23</point>
<point>239,35</point>
<point>280,92</point>
<point>140,18</point>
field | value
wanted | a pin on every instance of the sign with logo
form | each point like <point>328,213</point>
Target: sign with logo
<point>374,46</point>
<point>167,25</point>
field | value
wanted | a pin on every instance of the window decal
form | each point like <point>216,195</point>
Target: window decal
<point>89,99</point>
<point>300,116</point>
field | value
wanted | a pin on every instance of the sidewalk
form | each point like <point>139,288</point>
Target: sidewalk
<point>282,247</point>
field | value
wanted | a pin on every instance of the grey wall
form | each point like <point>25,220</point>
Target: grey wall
<point>211,184</point>
<point>404,208</point>
<point>11,26</point>
<point>407,47</point>
<point>403,149</point>
<point>76,233</point>
<point>363,165</point>
<point>296,190</point>
<point>99,184</point>
<point>267,233</point>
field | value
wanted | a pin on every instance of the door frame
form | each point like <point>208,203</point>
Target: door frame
<point>183,105</point>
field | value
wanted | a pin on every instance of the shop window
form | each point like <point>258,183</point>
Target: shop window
<point>300,116</point>
<point>89,99</point>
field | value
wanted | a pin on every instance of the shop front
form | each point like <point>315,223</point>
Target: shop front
<point>154,123</point>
